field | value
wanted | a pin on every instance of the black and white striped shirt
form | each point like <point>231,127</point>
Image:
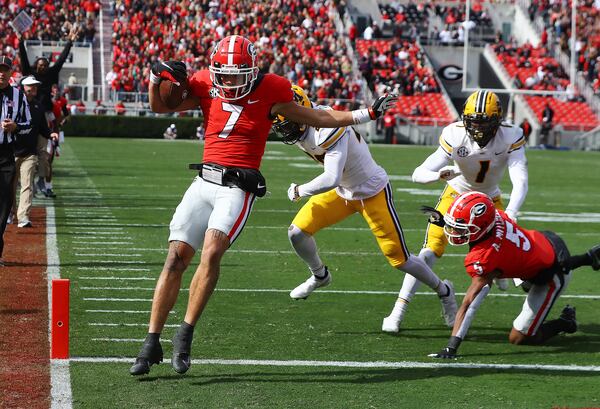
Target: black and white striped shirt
<point>15,107</point>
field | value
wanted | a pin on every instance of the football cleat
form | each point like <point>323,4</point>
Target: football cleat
<point>594,254</point>
<point>49,193</point>
<point>391,324</point>
<point>502,283</point>
<point>181,360</point>
<point>568,316</point>
<point>449,307</point>
<point>310,285</point>
<point>150,354</point>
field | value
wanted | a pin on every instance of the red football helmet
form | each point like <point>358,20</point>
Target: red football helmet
<point>469,218</point>
<point>233,67</point>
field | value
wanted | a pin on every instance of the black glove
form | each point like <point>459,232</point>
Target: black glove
<point>435,217</point>
<point>382,104</point>
<point>174,71</point>
<point>445,353</point>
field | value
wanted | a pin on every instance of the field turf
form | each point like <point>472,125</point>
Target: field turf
<point>116,198</point>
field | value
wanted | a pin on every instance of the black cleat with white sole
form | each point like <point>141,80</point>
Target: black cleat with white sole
<point>182,348</point>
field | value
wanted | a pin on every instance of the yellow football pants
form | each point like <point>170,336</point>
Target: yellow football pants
<point>435,239</point>
<point>328,208</point>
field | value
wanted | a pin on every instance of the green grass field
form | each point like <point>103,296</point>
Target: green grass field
<point>116,198</point>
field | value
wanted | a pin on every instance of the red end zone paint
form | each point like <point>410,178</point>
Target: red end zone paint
<point>59,348</point>
<point>24,346</point>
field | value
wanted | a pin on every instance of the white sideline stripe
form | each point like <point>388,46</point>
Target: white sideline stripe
<point>117,299</point>
<point>114,268</point>
<point>108,254</point>
<point>100,242</point>
<point>168,341</point>
<point>119,278</point>
<point>100,233</point>
<point>98,228</point>
<point>124,311</point>
<point>274,290</point>
<point>112,324</point>
<point>115,262</point>
<point>359,364</point>
<point>61,396</point>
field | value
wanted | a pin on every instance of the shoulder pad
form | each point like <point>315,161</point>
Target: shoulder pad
<point>328,137</point>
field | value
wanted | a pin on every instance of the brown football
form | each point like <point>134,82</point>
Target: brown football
<point>172,94</point>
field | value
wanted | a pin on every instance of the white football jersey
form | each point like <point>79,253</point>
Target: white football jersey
<point>482,168</point>
<point>362,177</point>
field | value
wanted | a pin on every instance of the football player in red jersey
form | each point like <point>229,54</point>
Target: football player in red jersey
<point>239,106</point>
<point>500,248</point>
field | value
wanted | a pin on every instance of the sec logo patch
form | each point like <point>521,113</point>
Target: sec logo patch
<point>462,151</point>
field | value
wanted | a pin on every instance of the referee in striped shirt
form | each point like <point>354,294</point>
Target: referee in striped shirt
<point>15,121</point>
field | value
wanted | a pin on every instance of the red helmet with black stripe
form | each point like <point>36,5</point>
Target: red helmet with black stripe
<point>469,218</point>
<point>233,67</point>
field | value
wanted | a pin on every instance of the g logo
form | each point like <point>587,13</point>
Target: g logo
<point>478,209</point>
<point>450,72</point>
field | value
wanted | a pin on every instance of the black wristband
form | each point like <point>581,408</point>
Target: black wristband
<point>454,343</point>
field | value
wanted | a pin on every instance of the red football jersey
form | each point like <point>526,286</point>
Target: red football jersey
<point>517,252</point>
<point>237,131</point>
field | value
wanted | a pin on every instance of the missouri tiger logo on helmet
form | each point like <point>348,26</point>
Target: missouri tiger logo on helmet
<point>291,132</point>
<point>482,116</point>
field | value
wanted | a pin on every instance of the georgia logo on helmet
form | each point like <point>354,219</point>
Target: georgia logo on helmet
<point>291,132</point>
<point>482,116</point>
<point>233,67</point>
<point>470,217</point>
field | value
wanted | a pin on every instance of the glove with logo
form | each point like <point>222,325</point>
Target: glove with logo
<point>382,104</point>
<point>435,217</point>
<point>174,71</point>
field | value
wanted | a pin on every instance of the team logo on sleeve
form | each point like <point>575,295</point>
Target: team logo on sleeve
<point>462,151</point>
<point>213,93</point>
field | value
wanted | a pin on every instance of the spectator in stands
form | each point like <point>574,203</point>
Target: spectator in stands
<point>389,126</point>
<point>526,127</point>
<point>170,132</point>
<point>120,108</point>
<point>81,109</point>
<point>547,118</point>
<point>200,132</point>
<point>100,108</point>
<point>43,72</point>
<point>368,33</point>
<point>416,110</point>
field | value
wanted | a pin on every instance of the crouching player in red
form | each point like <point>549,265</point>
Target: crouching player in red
<point>239,105</point>
<point>500,248</point>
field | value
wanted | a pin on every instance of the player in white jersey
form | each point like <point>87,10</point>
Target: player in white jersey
<point>482,147</point>
<point>351,182</point>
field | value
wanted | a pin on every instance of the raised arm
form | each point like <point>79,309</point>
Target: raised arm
<point>174,71</point>
<point>25,66</point>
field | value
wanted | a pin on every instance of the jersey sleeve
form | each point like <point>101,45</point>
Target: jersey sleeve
<point>518,141</point>
<point>479,262</point>
<point>198,84</point>
<point>280,89</point>
<point>445,141</point>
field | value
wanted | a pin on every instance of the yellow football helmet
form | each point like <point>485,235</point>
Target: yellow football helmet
<point>482,116</point>
<point>289,131</point>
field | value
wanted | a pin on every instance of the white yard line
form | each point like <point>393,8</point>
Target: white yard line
<point>113,324</point>
<point>60,374</point>
<point>113,268</point>
<point>275,290</point>
<point>122,311</point>
<point>359,364</point>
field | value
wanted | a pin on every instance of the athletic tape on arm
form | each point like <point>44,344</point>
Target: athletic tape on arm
<point>470,314</point>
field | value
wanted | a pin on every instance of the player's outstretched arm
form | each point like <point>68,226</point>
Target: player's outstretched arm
<point>479,288</point>
<point>435,168</point>
<point>327,118</point>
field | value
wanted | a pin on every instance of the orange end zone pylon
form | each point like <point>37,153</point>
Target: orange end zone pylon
<point>59,348</point>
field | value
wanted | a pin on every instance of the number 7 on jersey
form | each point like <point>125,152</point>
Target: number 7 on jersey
<point>236,111</point>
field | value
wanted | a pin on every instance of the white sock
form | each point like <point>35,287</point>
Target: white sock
<point>48,185</point>
<point>399,310</point>
<point>306,248</point>
<point>417,268</point>
<point>411,284</point>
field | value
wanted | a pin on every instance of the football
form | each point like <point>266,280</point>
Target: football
<point>172,94</point>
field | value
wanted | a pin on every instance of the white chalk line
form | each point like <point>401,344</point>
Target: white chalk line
<point>358,364</point>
